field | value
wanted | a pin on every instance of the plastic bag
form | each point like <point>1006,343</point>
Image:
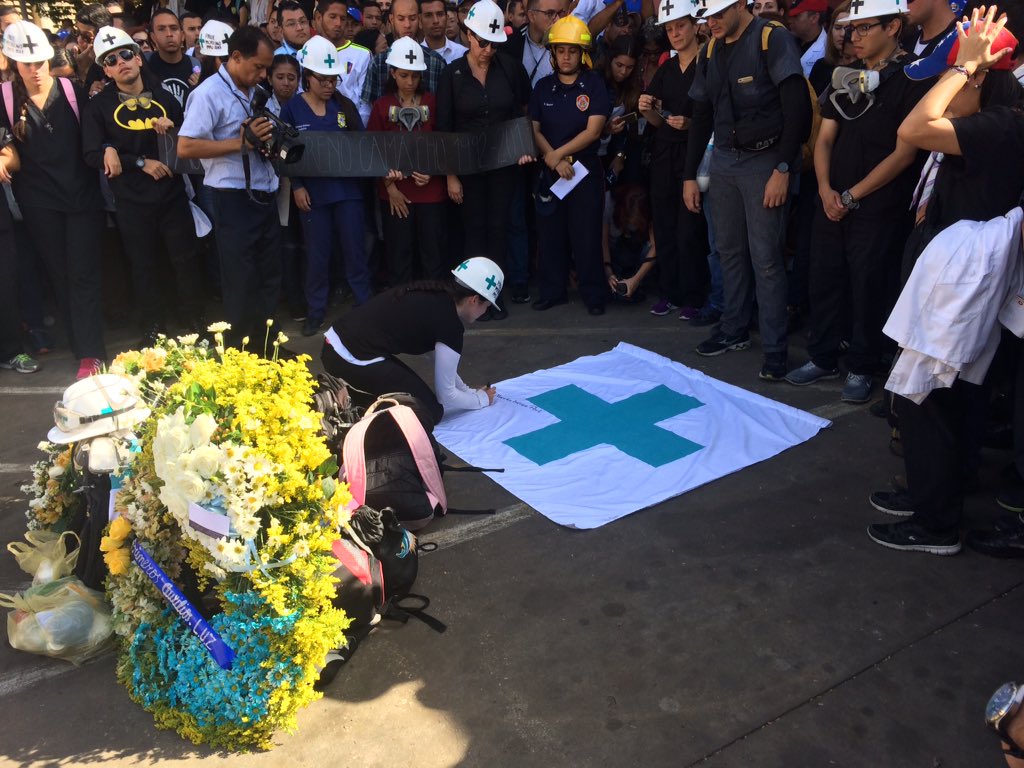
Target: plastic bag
<point>62,619</point>
<point>45,557</point>
<point>704,171</point>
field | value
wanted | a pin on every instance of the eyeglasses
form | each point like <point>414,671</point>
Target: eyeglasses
<point>141,40</point>
<point>484,44</point>
<point>862,29</point>
<point>324,79</point>
<point>295,24</point>
<point>549,14</point>
<point>112,58</point>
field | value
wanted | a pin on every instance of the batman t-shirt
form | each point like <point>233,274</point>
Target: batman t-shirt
<point>125,122</point>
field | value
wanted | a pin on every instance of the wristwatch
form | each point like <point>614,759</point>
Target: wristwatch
<point>782,167</point>
<point>848,201</point>
<point>1001,708</point>
<point>140,162</point>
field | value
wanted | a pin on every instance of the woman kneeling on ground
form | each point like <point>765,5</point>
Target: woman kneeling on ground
<point>413,319</point>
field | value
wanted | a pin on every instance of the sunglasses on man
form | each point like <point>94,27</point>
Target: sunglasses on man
<point>125,54</point>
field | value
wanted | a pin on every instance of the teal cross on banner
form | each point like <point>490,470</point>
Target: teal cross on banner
<point>630,425</point>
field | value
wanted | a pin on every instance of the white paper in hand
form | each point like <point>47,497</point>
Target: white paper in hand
<point>563,187</point>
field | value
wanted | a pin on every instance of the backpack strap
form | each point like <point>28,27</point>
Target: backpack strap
<point>766,32</point>
<point>69,94</point>
<point>353,456</point>
<point>7,89</point>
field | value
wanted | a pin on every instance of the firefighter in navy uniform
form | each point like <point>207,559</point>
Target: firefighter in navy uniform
<point>569,109</point>
<point>119,136</point>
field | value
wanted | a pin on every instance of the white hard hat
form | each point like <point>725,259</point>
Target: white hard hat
<point>670,10</point>
<point>27,43</point>
<point>481,274</point>
<point>321,56</point>
<point>701,9</point>
<point>213,38</point>
<point>872,9</point>
<point>110,39</point>
<point>406,53</point>
<point>98,405</point>
<point>486,20</point>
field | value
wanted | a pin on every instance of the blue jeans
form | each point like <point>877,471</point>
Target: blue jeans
<point>750,243</point>
<point>325,225</point>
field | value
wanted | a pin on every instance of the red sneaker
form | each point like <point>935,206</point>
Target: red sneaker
<point>87,367</point>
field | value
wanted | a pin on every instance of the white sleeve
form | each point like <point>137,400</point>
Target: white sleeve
<point>452,392</point>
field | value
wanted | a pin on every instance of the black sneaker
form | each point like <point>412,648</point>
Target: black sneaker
<point>1006,540</point>
<point>892,503</point>
<point>721,343</point>
<point>312,326</point>
<point>708,315</point>
<point>520,294</point>
<point>1011,499</point>
<point>911,537</point>
<point>774,367</point>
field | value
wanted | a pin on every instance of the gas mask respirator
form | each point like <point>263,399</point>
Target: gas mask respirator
<point>858,85</point>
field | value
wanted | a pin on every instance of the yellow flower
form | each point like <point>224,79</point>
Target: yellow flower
<point>117,560</point>
<point>120,529</point>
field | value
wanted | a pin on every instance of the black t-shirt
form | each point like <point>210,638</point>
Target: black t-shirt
<point>672,86</point>
<point>821,75</point>
<point>464,105</point>
<point>866,141</point>
<point>53,174</point>
<point>987,179</point>
<point>397,323</point>
<point>127,126</point>
<point>174,77</point>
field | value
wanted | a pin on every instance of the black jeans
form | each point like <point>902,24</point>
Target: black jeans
<point>249,243</point>
<point>415,244</point>
<point>372,381</point>
<point>853,263</point>
<point>153,236</point>
<point>680,237</point>
<point>69,245</point>
<point>10,320</point>
<point>486,199</point>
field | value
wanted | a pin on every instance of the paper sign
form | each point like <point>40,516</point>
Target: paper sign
<point>111,514</point>
<point>563,187</point>
<point>211,523</point>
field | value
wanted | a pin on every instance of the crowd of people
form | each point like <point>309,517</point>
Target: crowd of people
<point>735,166</point>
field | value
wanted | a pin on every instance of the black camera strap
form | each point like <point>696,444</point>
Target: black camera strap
<point>246,162</point>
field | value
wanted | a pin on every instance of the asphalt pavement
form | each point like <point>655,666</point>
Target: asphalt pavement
<point>749,622</point>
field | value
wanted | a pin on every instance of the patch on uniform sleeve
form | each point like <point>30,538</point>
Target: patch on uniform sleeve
<point>583,102</point>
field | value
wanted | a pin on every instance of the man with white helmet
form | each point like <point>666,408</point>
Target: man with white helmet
<point>331,208</point>
<point>405,22</point>
<point>219,129</point>
<point>415,319</point>
<point>119,137</point>
<point>750,90</point>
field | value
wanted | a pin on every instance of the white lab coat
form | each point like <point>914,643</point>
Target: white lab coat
<point>947,318</point>
<point>812,54</point>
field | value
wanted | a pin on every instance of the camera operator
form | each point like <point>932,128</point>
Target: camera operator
<point>219,129</point>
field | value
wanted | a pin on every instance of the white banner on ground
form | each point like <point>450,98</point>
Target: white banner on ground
<point>601,437</point>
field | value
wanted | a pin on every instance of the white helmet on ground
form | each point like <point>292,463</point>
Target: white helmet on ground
<point>481,275</point>
<point>27,43</point>
<point>486,20</point>
<point>406,53</point>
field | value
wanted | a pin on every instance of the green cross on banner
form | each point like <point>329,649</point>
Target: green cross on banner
<point>630,425</point>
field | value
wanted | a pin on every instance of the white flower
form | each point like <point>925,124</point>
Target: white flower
<point>206,460</point>
<point>55,471</point>
<point>219,327</point>
<point>189,339</point>
<point>202,429</point>
<point>300,548</point>
<point>191,486</point>
<point>44,446</point>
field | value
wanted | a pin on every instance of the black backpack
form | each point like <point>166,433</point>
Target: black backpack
<point>378,560</point>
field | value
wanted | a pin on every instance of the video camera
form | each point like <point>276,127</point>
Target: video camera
<point>284,145</point>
